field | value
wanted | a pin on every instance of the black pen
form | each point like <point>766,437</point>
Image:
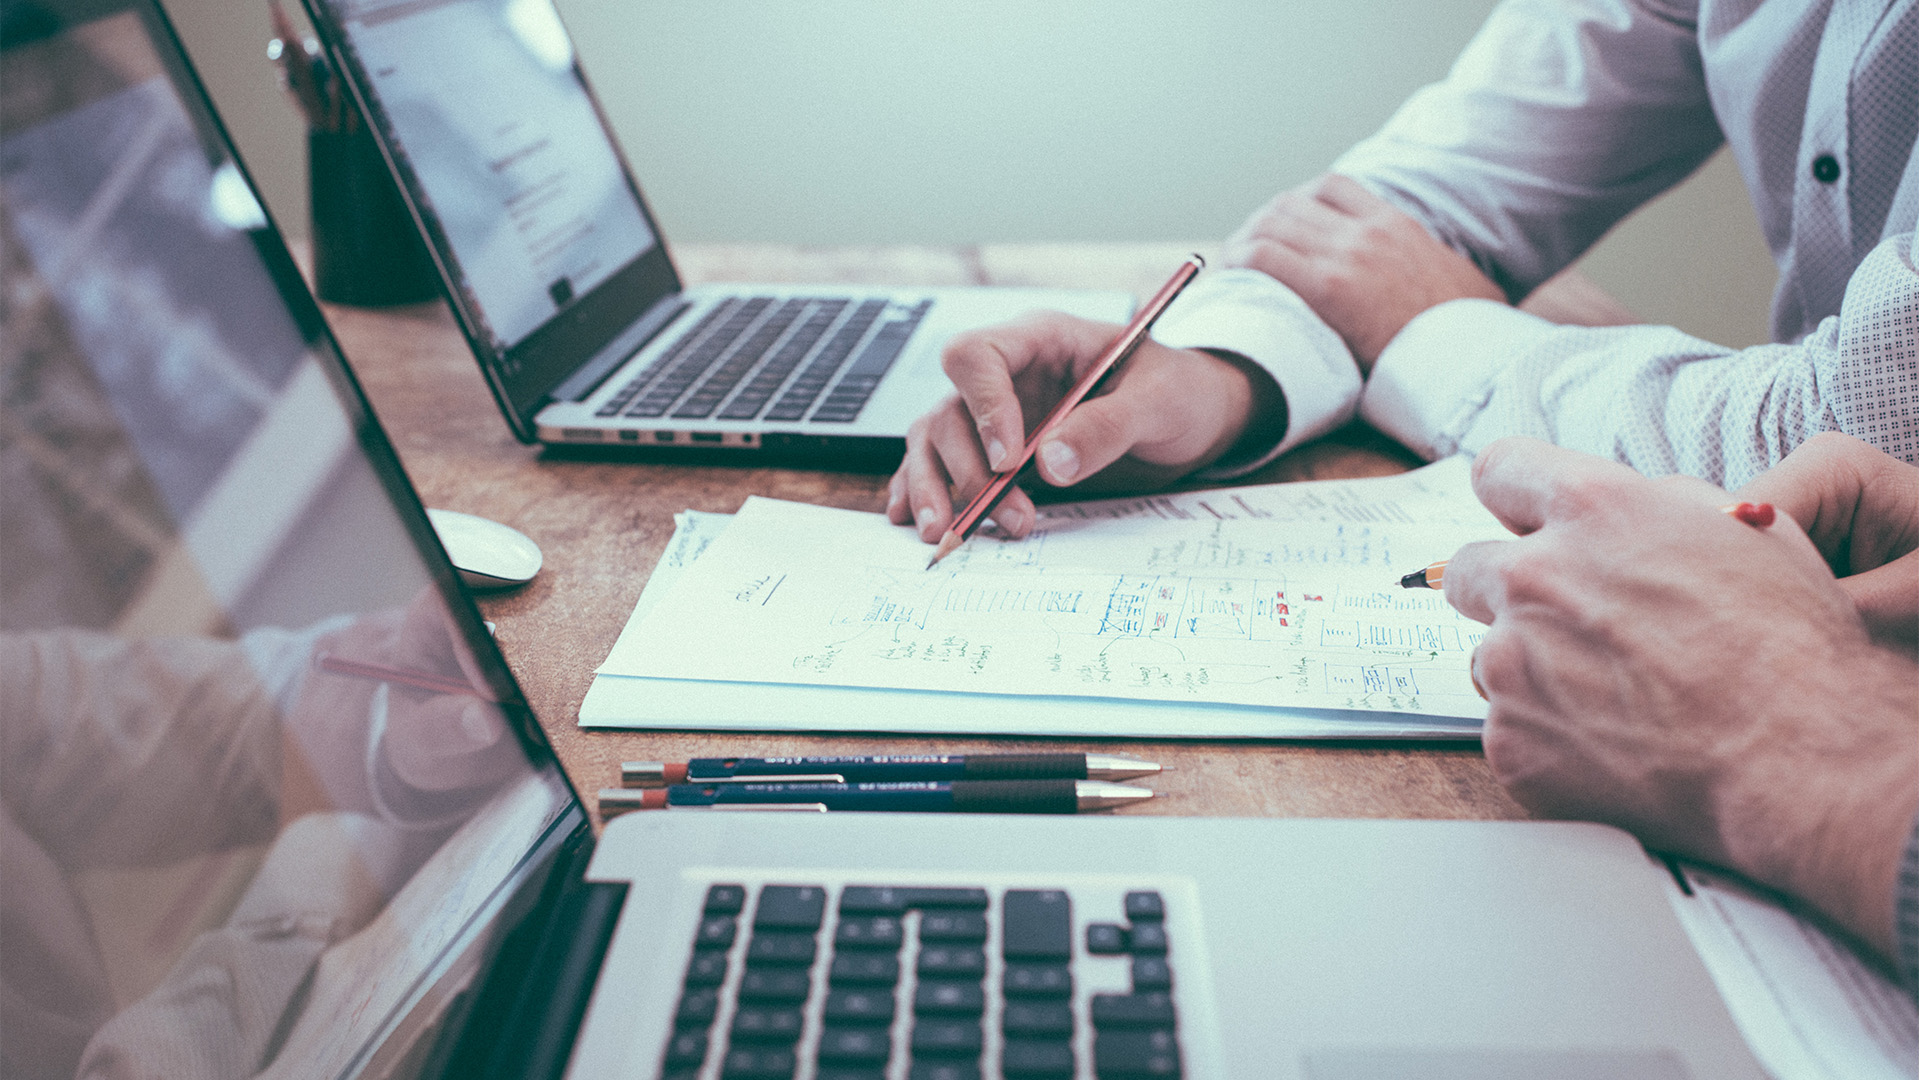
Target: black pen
<point>924,796</point>
<point>845,769</point>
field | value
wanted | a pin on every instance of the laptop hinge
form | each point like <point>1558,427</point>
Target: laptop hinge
<point>588,376</point>
<point>521,1020</point>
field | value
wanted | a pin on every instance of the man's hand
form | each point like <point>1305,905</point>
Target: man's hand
<point>433,742</point>
<point>1859,507</point>
<point>1364,267</point>
<point>1167,412</point>
<point>1656,664</point>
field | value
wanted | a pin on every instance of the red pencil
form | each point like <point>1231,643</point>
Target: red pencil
<point>1122,347</point>
<point>419,680</point>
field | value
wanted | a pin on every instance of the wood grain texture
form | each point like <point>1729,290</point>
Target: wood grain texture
<point>603,525</point>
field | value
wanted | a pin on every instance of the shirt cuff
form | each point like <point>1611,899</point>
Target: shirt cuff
<point>1437,374</point>
<point>1247,313</point>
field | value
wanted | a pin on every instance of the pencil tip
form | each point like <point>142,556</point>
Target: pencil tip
<point>947,543</point>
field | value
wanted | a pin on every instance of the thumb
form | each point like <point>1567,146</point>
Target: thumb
<point>1095,435</point>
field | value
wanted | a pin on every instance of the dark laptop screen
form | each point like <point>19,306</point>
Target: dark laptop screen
<point>482,98</point>
<point>546,245</point>
<point>256,794</point>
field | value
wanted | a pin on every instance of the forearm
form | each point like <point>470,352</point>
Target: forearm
<point>1838,842</point>
<point>171,745</point>
<point>1556,121</point>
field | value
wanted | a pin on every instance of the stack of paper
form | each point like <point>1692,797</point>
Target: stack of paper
<point>1254,611</point>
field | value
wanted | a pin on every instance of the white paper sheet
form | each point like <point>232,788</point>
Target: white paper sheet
<point>1274,607</point>
<point>1809,1007</point>
<point>616,701</point>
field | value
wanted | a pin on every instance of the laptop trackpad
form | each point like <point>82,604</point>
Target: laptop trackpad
<point>1493,1065</point>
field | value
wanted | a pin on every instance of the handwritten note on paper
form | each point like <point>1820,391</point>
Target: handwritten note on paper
<point>1303,612</point>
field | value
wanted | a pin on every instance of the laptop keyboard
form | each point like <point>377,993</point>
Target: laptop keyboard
<point>918,983</point>
<point>761,342</point>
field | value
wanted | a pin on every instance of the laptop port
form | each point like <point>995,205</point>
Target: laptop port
<point>708,437</point>
<point>663,436</point>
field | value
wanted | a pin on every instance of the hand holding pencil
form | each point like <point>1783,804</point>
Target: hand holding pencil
<point>1162,414</point>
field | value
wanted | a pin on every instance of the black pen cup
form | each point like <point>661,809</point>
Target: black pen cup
<point>366,250</point>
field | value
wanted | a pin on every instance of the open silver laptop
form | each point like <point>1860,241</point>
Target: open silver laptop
<point>272,804</point>
<point>558,274</point>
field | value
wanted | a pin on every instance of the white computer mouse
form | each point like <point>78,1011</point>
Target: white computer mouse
<point>488,555</point>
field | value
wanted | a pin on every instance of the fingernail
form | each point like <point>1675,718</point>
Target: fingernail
<point>996,455</point>
<point>1061,462</point>
<point>925,517</point>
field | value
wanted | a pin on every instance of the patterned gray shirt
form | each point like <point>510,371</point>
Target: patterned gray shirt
<point>1560,118</point>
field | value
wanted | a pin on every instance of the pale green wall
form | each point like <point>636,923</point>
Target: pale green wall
<point>911,121</point>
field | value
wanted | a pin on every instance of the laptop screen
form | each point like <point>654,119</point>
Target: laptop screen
<point>482,98</point>
<point>544,241</point>
<point>263,778</point>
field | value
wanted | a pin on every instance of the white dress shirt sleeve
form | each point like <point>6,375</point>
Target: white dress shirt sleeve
<point>1248,314</point>
<point>1471,371</point>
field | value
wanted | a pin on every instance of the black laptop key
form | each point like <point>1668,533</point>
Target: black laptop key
<point>760,389</point>
<point>775,984</point>
<point>952,962</point>
<point>697,1008</point>
<point>859,1006</point>
<point>766,1024</point>
<point>851,1072</point>
<point>1037,1059</point>
<point>946,1038</point>
<point>1037,981</point>
<point>1135,1055</point>
<point>686,1048</point>
<point>1151,973</point>
<point>790,907</point>
<point>1145,906</point>
<point>855,1045</point>
<point>666,359</point>
<point>1036,924</point>
<point>942,997</point>
<point>868,932</point>
<point>708,968</point>
<point>765,381</point>
<point>1148,938</point>
<point>777,950</point>
<point>741,360</point>
<point>757,1063</point>
<point>715,932</point>
<point>944,1070</point>
<point>674,382</point>
<point>851,395</point>
<point>1153,1010</point>
<point>953,926</point>
<point>1041,1018</point>
<point>1106,939</point>
<point>931,897</point>
<point>864,969</point>
<point>799,397</point>
<point>872,900</point>
<point>725,899</point>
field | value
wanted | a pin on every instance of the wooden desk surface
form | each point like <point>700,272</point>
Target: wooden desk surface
<point>603,525</point>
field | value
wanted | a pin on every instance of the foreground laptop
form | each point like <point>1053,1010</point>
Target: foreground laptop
<point>561,279</point>
<point>272,804</point>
